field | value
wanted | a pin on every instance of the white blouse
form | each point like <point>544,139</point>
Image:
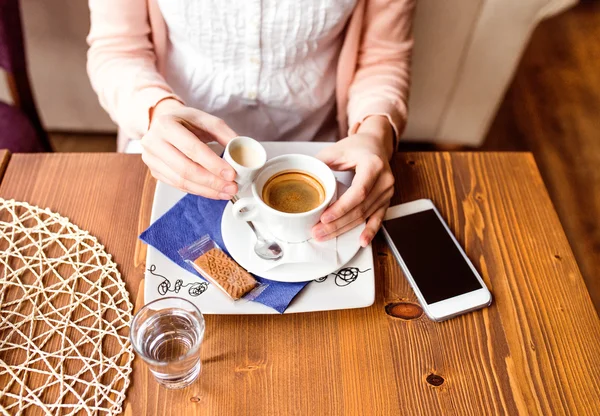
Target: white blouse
<point>267,67</point>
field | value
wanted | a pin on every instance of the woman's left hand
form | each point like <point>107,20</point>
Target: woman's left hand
<point>368,153</point>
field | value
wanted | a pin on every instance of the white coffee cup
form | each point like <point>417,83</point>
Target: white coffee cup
<point>247,157</point>
<point>288,227</point>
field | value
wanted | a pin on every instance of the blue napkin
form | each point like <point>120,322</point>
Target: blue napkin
<point>191,218</point>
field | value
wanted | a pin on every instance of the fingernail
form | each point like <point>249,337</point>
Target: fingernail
<point>228,174</point>
<point>226,197</point>
<point>231,189</point>
<point>320,232</point>
<point>327,218</point>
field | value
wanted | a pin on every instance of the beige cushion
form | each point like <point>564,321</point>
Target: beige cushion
<point>465,56</point>
<point>55,32</point>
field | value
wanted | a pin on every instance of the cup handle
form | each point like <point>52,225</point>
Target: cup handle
<point>245,209</point>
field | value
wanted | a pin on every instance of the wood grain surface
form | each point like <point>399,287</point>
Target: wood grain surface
<point>552,108</point>
<point>100,193</point>
<point>535,351</point>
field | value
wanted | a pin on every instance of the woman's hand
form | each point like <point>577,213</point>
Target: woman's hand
<point>175,150</point>
<point>367,152</point>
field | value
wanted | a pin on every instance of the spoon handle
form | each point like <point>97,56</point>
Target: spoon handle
<point>236,198</point>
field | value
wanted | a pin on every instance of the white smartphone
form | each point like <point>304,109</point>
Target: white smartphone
<point>437,268</point>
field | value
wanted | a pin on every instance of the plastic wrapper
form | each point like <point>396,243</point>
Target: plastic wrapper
<point>214,265</point>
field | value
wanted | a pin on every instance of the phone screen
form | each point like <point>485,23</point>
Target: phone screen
<point>435,263</point>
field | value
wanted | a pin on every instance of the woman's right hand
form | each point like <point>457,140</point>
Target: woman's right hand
<point>175,150</point>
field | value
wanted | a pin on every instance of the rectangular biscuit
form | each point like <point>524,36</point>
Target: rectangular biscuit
<point>225,273</point>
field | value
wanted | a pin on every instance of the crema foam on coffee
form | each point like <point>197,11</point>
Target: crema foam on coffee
<point>293,191</point>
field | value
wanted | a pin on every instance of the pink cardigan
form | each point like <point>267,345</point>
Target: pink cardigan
<point>128,42</point>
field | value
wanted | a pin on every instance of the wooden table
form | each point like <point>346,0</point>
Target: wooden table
<point>536,350</point>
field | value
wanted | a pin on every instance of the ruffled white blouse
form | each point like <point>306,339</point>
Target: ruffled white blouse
<point>267,67</point>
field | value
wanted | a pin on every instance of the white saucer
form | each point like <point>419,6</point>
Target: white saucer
<point>239,240</point>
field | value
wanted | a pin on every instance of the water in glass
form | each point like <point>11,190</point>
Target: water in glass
<point>167,334</point>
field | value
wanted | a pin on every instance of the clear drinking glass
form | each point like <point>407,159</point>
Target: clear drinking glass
<point>167,333</point>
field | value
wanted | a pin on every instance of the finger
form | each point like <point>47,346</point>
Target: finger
<point>165,174</point>
<point>196,150</point>
<point>188,170</point>
<point>373,226</point>
<point>215,127</point>
<point>367,173</point>
<point>352,224</point>
<point>378,197</point>
<point>336,158</point>
<point>340,231</point>
<point>329,155</point>
<point>200,191</point>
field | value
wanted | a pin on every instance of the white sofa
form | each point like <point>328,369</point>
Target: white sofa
<point>465,54</point>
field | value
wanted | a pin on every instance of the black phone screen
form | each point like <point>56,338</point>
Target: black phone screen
<point>437,267</point>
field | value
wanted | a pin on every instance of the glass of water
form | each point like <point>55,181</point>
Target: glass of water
<point>167,334</point>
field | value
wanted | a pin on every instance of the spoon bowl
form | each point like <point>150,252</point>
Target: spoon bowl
<point>264,248</point>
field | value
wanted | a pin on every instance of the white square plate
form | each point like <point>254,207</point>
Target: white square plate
<point>353,286</point>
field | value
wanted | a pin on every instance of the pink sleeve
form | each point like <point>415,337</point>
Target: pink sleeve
<point>122,63</point>
<point>382,77</point>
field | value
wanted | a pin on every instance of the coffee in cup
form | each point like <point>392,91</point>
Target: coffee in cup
<point>293,191</point>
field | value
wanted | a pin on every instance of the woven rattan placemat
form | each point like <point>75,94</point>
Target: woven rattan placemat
<point>64,318</point>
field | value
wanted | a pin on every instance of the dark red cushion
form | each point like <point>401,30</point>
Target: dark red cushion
<point>12,50</point>
<point>16,132</point>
